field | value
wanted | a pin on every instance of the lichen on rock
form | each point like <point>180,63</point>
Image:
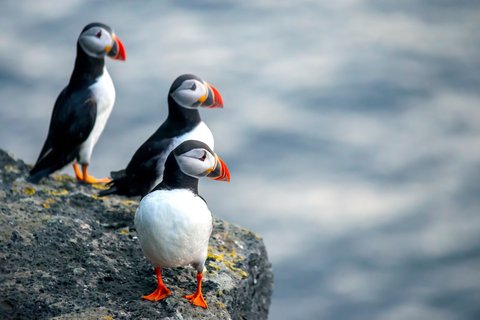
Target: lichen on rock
<point>68,254</point>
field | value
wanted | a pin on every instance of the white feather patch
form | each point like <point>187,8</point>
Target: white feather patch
<point>104,93</point>
<point>201,133</point>
<point>174,228</point>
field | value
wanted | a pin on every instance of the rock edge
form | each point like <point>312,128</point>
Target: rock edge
<point>67,254</point>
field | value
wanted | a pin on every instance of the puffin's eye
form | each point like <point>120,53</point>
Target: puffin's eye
<point>204,156</point>
<point>193,87</point>
<point>99,34</point>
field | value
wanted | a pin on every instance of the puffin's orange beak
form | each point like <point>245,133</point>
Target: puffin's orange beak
<point>217,101</point>
<point>213,98</point>
<point>117,51</point>
<point>220,172</point>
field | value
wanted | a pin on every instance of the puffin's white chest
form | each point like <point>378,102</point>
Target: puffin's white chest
<point>201,133</point>
<point>104,93</point>
<point>174,227</point>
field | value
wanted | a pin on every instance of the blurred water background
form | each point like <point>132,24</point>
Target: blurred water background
<point>351,130</point>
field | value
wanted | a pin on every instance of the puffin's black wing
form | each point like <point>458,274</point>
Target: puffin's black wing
<point>141,173</point>
<point>72,121</point>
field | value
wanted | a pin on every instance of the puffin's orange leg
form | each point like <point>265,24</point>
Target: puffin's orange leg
<point>89,179</point>
<point>197,298</point>
<point>78,173</point>
<point>161,292</point>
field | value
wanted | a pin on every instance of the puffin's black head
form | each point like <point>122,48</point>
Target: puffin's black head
<point>196,159</point>
<point>191,92</point>
<point>98,40</point>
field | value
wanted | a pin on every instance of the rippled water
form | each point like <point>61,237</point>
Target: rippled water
<point>351,130</point>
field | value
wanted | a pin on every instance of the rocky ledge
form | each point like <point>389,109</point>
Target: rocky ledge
<point>67,254</point>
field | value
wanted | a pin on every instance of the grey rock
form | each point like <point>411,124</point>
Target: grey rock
<point>67,254</point>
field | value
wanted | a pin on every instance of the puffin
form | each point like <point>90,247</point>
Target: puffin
<point>173,221</point>
<point>82,107</point>
<point>187,94</point>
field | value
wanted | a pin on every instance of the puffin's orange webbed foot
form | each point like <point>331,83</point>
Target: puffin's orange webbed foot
<point>92,180</point>
<point>161,292</point>
<point>86,178</point>
<point>158,294</point>
<point>197,298</point>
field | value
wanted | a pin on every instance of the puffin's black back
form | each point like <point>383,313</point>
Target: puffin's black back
<point>69,127</point>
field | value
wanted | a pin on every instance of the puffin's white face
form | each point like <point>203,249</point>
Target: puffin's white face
<point>197,162</point>
<point>191,93</point>
<point>196,159</point>
<point>96,41</point>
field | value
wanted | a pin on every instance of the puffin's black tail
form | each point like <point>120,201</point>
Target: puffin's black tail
<point>48,164</point>
<point>37,175</point>
<point>117,177</point>
<point>118,174</point>
<point>111,190</point>
<point>125,185</point>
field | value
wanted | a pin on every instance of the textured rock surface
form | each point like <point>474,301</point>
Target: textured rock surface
<point>67,254</point>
